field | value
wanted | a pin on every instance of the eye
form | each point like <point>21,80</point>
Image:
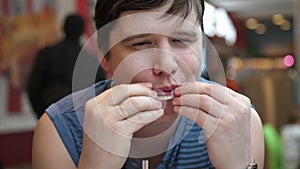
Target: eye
<point>142,45</point>
<point>181,42</point>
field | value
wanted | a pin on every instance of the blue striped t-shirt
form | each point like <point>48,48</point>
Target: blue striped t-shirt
<point>187,148</point>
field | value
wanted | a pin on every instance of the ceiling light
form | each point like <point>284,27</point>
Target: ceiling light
<point>251,23</point>
<point>286,25</point>
<point>261,29</point>
<point>278,19</point>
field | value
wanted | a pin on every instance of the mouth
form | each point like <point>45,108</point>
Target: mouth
<point>166,97</point>
<point>166,92</point>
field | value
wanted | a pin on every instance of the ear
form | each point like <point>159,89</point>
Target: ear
<point>105,65</point>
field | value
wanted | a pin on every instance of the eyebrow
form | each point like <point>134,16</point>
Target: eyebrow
<point>143,35</point>
<point>187,33</point>
<point>130,38</point>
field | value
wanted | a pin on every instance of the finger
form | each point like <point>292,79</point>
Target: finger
<point>191,113</point>
<point>215,91</point>
<point>201,101</point>
<point>207,122</point>
<point>139,120</point>
<point>239,97</point>
<point>119,93</point>
<point>136,104</point>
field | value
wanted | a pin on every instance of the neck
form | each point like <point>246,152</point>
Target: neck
<point>157,128</point>
<point>152,140</point>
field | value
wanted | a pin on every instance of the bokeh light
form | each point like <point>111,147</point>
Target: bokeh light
<point>289,60</point>
<point>251,23</point>
<point>261,29</point>
<point>286,25</point>
<point>278,19</point>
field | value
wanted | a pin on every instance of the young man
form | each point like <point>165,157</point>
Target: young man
<point>155,108</point>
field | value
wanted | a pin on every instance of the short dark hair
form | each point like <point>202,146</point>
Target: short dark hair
<point>109,10</point>
<point>74,26</point>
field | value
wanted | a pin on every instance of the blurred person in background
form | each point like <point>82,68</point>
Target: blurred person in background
<point>51,76</point>
<point>290,135</point>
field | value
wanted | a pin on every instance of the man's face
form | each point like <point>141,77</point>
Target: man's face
<point>151,46</point>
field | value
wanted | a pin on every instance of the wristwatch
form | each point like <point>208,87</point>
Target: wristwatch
<point>252,165</point>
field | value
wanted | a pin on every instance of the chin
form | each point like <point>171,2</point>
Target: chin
<point>167,118</point>
<point>169,114</point>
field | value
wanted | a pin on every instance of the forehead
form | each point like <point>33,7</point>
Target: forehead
<point>153,21</point>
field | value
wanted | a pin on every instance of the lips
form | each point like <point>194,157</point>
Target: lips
<point>165,92</point>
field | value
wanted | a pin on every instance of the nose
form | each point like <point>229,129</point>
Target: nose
<point>165,62</point>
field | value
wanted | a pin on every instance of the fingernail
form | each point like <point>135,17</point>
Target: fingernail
<point>176,92</point>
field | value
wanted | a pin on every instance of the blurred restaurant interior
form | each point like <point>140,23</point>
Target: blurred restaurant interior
<point>257,42</point>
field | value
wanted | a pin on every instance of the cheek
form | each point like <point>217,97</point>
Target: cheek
<point>191,65</point>
<point>118,57</point>
<point>143,76</point>
<point>127,69</point>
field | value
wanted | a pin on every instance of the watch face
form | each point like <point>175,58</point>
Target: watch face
<point>253,166</point>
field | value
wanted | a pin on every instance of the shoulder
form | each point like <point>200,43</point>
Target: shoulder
<point>67,114</point>
<point>65,119</point>
<point>46,142</point>
<point>256,123</point>
<point>75,102</point>
<point>47,50</point>
<point>257,138</point>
